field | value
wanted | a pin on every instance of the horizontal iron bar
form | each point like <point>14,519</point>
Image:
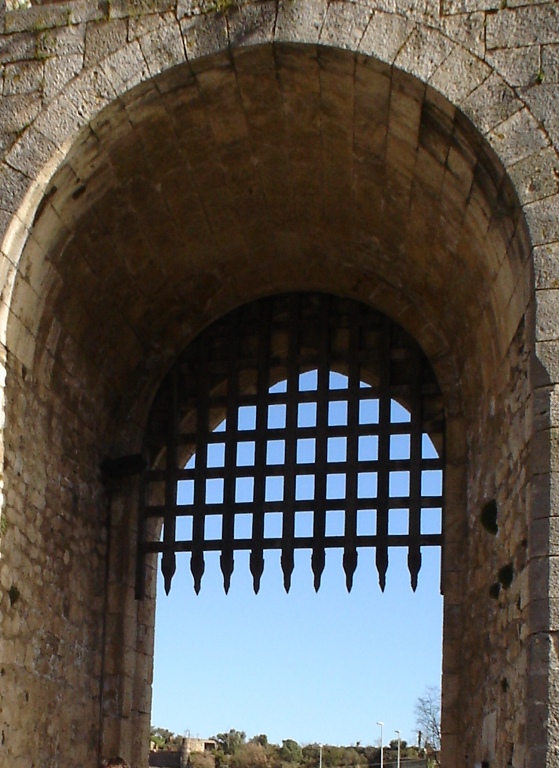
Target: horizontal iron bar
<point>304,469</point>
<point>334,430</point>
<point>303,542</point>
<point>304,396</point>
<point>299,505</point>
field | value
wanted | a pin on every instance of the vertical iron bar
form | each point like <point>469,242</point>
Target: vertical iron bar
<point>416,440</point>
<point>353,391</point>
<point>383,478</point>
<point>288,522</point>
<point>168,560</point>
<point>235,330</point>
<point>318,559</point>
<point>263,385</point>
<point>197,564</point>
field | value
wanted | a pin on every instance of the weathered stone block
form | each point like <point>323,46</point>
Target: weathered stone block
<point>65,41</point>
<point>495,92</point>
<point>102,38</point>
<point>459,75</point>
<point>23,77</point>
<point>16,48</point>
<point>528,25</point>
<point>537,176</point>
<point>519,66</point>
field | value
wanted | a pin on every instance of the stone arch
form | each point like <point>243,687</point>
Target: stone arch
<point>446,52</point>
<point>87,336</point>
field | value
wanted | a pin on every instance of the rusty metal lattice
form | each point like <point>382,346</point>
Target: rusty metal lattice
<point>292,409</point>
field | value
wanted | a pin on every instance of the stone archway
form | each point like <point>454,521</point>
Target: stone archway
<point>261,169</point>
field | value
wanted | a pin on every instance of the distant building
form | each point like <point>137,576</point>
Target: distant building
<point>190,745</point>
<point>178,758</point>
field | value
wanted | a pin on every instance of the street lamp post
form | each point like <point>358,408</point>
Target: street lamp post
<point>398,732</point>
<point>381,745</point>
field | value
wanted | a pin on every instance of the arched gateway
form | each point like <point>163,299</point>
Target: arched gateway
<point>168,163</point>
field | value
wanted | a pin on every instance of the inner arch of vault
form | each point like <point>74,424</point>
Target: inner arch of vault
<point>288,166</point>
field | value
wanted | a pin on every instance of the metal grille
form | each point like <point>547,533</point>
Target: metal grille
<point>300,421</point>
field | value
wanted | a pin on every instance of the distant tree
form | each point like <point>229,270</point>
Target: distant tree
<point>261,739</point>
<point>249,755</point>
<point>370,754</point>
<point>394,744</point>
<point>310,751</point>
<point>428,716</point>
<point>220,758</point>
<point>291,751</point>
<point>352,757</point>
<point>162,737</point>
<point>231,741</point>
<point>334,756</point>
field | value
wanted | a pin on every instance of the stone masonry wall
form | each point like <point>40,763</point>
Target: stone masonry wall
<point>496,630</point>
<point>52,575</point>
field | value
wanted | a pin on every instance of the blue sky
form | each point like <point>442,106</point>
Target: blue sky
<point>314,667</point>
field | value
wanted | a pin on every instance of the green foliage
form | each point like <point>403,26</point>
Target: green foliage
<point>234,751</point>
<point>231,741</point>
<point>250,755</point>
<point>162,737</point>
<point>394,745</point>
<point>261,739</point>
<point>291,751</point>
<point>310,754</point>
<point>222,6</point>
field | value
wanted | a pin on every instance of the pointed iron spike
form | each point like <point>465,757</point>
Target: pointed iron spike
<point>197,567</point>
<point>382,567</point>
<point>168,568</point>
<point>227,564</point>
<point>256,569</point>
<point>350,566</point>
<point>318,562</point>
<point>167,586</point>
<point>414,566</point>
<point>287,566</point>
